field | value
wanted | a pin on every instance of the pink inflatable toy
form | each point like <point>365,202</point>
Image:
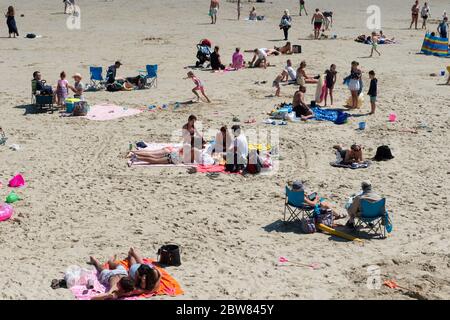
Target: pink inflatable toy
<point>17,181</point>
<point>6,211</point>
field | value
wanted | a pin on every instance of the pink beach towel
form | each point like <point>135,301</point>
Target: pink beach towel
<point>105,112</point>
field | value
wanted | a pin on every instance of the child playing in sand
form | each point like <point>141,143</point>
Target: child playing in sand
<point>116,278</point>
<point>373,91</point>
<point>330,81</point>
<point>276,84</point>
<point>62,90</point>
<point>198,86</point>
<point>374,44</point>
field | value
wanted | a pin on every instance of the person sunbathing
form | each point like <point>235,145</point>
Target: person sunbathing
<point>146,277</point>
<point>115,277</point>
<point>300,108</point>
<point>349,156</point>
<point>286,49</point>
<point>313,200</point>
<point>166,155</point>
<point>302,74</point>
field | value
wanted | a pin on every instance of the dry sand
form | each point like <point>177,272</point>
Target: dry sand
<point>82,199</point>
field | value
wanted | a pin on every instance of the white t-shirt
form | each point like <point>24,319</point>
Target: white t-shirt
<point>242,150</point>
<point>292,73</point>
<point>262,53</point>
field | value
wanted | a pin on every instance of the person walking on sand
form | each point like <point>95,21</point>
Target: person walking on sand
<point>302,7</point>
<point>425,13</point>
<point>415,14</point>
<point>11,22</point>
<point>239,9</point>
<point>317,21</point>
<point>374,44</point>
<point>285,23</point>
<point>213,10</point>
<point>198,86</point>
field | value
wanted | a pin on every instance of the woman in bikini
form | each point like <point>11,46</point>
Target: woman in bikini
<point>352,155</point>
<point>302,74</point>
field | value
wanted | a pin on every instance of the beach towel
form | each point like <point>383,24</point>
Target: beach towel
<point>105,112</point>
<point>338,164</point>
<point>336,116</point>
<point>435,46</point>
<point>169,286</point>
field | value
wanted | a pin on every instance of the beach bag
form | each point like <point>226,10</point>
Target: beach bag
<point>169,255</point>
<point>30,36</point>
<point>308,225</point>
<point>81,109</point>
<point>325,217</point>
<point>297,48</point>
<point>383,153</point>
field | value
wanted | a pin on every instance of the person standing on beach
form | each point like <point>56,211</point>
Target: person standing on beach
<point>373,91</point>
<point>285,23</point>
<point>425,13</point>
<point>69,4</point>
<point>374,44</point>
<point>443,28</point>
<point>302,7</point>
<point>317,20</point>
<point>213,10</point>
<point>415,14</point>
<point>11,22</point>
<point>239,9</point>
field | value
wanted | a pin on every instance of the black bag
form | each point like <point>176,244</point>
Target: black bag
<point>383,153</point>
<point>169,255</point>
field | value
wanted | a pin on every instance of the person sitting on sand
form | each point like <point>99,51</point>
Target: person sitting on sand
<point>349,156</point>
<point>237,154</point>
<point>252,15</point>
<point>383,40</point>
<point>354,210</point>
<point>115,277</point>
<point>313,199</point>
<point>237,61</point>
<point>146,277</point>
<point>216,63</point>
<point>286,49</point>
<point>198,86</point>
<point>40,84</point>
<point>300,108</point>
<point>192,140</point>
<point>223,141</point>
<point>302,74</point>
<point>289,73</point>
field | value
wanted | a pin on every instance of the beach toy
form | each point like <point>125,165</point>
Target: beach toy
<point>12,197</point>
<point>70,104</point>
<point>340,234</point>
<point>17,181</point>
<point>442,72</point>
<point>6,211</point>
<point>362,125</point>
<point>392,117</point>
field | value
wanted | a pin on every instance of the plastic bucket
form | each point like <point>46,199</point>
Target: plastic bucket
<point>362,125</point>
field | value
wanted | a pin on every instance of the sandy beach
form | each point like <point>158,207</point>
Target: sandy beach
<point>82,199</point>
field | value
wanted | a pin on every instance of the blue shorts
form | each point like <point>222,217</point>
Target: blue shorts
<point>106,274</point>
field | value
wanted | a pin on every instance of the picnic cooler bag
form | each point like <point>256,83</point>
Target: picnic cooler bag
<point>169,255</point>
<point>296,48</point>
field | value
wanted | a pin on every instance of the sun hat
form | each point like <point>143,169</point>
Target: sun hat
<point>77,75</point>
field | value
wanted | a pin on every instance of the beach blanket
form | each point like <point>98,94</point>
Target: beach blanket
<point>169,286</point>
<point>336,116</point>
<point>435,46</point>
<point>105,112</point>
<point>338,164</point>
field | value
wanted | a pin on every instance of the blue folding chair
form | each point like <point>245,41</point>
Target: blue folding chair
<point>97,81</point>
<point>151,78</point>
<point>294,204</point>
<point>375,217</point>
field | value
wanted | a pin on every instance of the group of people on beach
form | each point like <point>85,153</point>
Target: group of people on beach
<point>62,87</point>
<point>425,13</point>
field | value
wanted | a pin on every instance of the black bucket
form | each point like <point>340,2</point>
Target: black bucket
<point>169,255</point>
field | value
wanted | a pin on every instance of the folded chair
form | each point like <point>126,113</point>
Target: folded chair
<point>151,75</point>
<point>97,81</point>
<point>295,206</point>
<point>375,217</point>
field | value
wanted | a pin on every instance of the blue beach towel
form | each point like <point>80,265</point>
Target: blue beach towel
<point>336,116</point>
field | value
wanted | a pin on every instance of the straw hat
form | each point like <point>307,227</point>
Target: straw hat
<point>77,75</point>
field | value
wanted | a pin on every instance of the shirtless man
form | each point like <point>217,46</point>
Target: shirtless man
<point>415,14</point>
<point>213,9</point>
<point>317,19</point>
<point>300,108</point>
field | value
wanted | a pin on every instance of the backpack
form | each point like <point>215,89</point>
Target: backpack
<point>383,153</point>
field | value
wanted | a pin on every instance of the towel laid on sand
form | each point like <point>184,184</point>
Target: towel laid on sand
<point>336,116</point>
<point>105,112</point>
<point>169,286</point>
<point>363,165</point>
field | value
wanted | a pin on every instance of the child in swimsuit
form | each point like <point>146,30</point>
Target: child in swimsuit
<point>198,86</point>
<point>62,90</point>
<point>374,44</point>
<point>330,81</point>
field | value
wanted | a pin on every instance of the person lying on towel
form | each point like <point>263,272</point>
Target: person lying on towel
<point>349,156</point>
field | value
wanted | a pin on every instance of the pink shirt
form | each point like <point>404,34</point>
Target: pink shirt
<point>237,60</point>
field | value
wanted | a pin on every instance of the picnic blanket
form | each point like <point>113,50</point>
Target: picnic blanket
<point>169,286</point>
<point>339,164</point>
<point>105,112</point>
<point>435,46</point>
<point>336,116</point>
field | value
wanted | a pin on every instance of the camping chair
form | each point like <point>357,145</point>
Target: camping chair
<point>375,217</point>
<point>97,81</point>
<point>151,78</point>
<point>295,205</point>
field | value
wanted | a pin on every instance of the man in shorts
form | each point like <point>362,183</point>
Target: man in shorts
<point>317,19</point>
<point>213,10</point>
<point>300,108</point>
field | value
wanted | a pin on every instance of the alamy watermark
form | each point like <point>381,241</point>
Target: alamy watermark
<point>373,21</point>
<point>73,21</point>
<point>373,277</point>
